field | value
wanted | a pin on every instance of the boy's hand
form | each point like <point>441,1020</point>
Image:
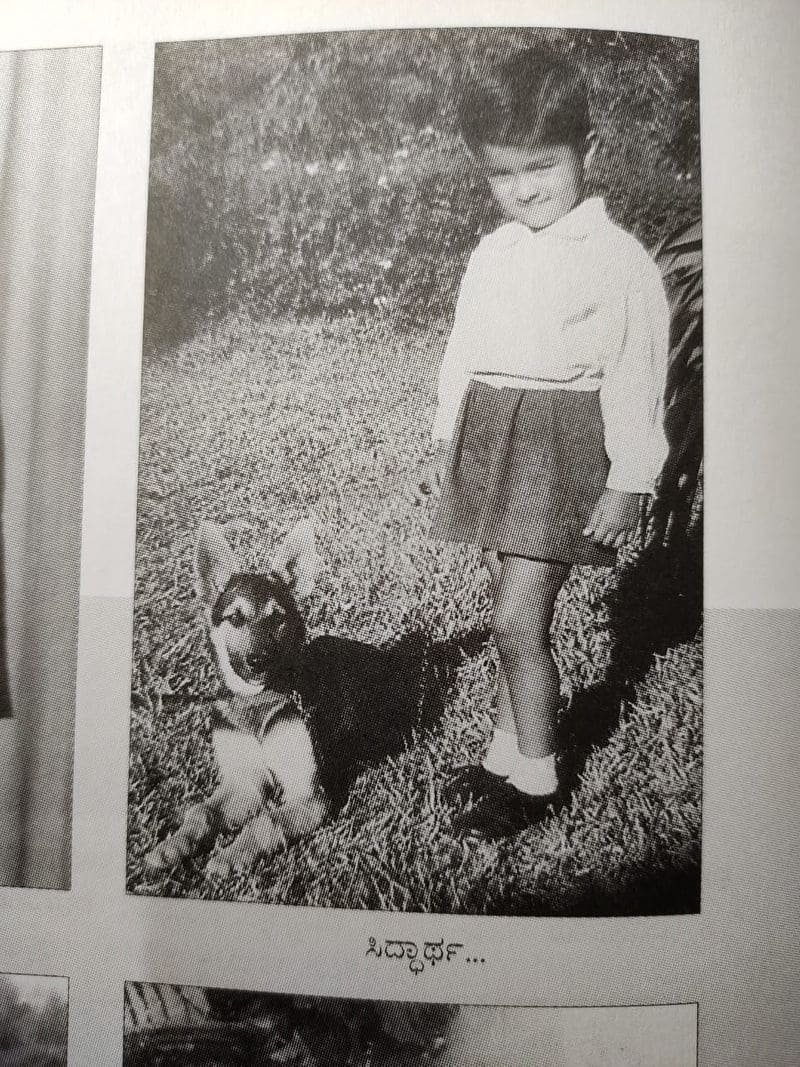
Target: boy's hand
<point>614,519</point>
<point>429,485</point>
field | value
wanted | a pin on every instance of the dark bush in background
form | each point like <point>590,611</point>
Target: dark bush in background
<point>323,174</point>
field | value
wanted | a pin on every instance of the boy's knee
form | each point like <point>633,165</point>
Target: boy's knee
<point>518,631</point>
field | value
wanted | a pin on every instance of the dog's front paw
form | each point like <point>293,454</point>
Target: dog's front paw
<point>197,828</point>
<point>260,839</point>
<point>220,867</point>
<point>230,861</point>
<point>171,853</point>
<point>160,860</point>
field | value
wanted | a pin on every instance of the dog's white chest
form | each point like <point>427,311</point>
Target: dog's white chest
<point>283,758</point>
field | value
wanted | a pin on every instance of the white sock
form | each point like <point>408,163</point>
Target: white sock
<point>502,754</point>
<point>536,777</point>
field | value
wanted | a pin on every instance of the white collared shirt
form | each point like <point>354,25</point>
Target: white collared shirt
<point>579,305</point>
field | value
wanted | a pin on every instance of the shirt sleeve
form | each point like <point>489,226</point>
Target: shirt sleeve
<point>632,391</point>
<point>458,362</point>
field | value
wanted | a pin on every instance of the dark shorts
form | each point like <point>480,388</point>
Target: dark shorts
<point>526,468</point>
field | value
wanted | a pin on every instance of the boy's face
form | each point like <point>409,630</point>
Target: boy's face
<point>537,185</point>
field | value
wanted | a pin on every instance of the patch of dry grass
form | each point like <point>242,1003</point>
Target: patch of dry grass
<point>258,425</point>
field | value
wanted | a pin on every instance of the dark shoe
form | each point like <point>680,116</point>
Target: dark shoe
<point>504,812</point>
<point>468,785</point>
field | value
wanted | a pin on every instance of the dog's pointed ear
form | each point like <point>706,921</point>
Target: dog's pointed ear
<point>297,561</point>
<point>214,562</point>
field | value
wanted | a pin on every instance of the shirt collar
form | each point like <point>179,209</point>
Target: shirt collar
<point>576,225</point>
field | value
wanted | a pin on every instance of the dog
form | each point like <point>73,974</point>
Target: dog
<point>301,719</point>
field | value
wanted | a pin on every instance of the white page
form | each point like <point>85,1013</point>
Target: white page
<point>736,958</point>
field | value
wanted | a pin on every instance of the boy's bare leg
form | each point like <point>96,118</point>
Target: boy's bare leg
<point>524,604</point>
<point>505,716</point>
<point>468,783</point>
<point>505,713</point>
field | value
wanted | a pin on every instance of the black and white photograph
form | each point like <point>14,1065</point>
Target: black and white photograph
<point>49,109</point>
<point>34,1017</point>
<point>185,1026</point>
<point>418,592</point>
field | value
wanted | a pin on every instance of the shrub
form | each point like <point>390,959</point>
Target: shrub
<point>323,174</point>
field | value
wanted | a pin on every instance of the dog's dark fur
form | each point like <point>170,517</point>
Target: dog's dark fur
<point>302,718</point>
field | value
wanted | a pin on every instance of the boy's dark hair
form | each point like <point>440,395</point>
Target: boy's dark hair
<point>533,98</point>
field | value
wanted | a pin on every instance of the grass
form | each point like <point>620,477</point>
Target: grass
<point>311,210</point>
<point>259,423</point>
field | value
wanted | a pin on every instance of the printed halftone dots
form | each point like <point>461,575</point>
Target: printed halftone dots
<point>535,776</point>
<point>502,753</point>
<point>306,242</point>
<point>49,108</point>
<point>504,491</point>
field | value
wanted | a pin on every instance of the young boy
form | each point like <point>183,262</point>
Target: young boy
<point>550,394</point>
